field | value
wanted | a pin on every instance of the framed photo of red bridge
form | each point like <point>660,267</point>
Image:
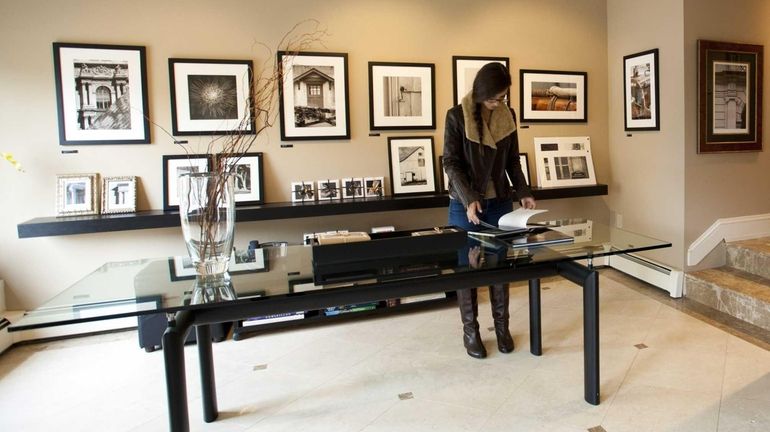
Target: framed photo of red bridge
<point>553,96</point>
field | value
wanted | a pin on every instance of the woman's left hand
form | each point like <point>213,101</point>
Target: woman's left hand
<point>528,203</point>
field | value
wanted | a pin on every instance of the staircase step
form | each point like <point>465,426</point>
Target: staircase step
<point>752,256</point>
<point>743,295</point>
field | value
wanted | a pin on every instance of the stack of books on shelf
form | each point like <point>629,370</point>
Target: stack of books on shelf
<point>269,319</point>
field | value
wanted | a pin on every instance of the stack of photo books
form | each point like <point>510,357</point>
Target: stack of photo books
<point>514,231</point>
<point>269,319</point>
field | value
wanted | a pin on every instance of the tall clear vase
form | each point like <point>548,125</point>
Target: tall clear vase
<point>207,213</point>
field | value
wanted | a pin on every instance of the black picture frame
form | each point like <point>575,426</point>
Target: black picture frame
<point>729,121</point>
<point>195,112</point>
<point>249,185</point>
<point>464,69</point>
<point>412,171</point>
<point>175,164</point>
<point>402,96</point>
<point>641,91</point>
<point>326,76</point>
<point>547,96</point>
<point>101,94</point>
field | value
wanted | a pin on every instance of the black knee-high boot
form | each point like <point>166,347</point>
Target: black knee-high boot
<point>498,297</point>
<point>469,311</point>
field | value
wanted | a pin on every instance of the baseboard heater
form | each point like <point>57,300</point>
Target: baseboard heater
<point>649,271</point>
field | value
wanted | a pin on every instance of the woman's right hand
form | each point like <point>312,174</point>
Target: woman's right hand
<point>472,212</point>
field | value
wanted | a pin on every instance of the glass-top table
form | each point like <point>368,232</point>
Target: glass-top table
<point>285,279</point>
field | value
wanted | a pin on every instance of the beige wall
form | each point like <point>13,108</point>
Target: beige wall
<point>554,34</point>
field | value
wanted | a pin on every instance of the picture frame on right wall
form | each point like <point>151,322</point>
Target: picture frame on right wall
<point>641,91</point>
<point>553,96</point>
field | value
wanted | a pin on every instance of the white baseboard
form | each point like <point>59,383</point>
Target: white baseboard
<point>654,273</point>
<point>60,331</point>
<point>728,229</point>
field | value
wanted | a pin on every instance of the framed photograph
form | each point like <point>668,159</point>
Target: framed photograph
<point>173,167</point>
<point>353,188</point>
<point>402,96</point>
<point>553,96</point>
<point>443,178</point>
<point>303,191</point>
<point>328,189</point>
<point>77,194</point>
<point>210,97</point>
<point>374,187</point>
<point>564,161</point>
<point>248,183</point>
<point>119,194</point>
<point>464,70</point>
<point>313,96</point>
<point>641,91</point>
<point>411,165</point>
<point>101,94</point>
<point>729,97</point>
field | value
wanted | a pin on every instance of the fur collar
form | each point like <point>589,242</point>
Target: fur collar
<point>501,123</point>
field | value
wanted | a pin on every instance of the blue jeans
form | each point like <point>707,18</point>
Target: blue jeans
<point>492,210</point>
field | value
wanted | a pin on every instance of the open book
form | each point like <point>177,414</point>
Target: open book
<point>511,223</point>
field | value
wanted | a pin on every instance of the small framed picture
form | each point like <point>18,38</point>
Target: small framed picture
<point>119,194</point>
<point>173,167</point>
<point>374,187</point>
<point>443,178</point>
<point>77,194</point>
<point>411,165</point>
<point>464,70</point>
<point>210,97</point>
<point>303,191</point>
<point>101,94</point>
<point>553,96</point>
<point>328,189</point>
<point>353,188</point>
<point>313,96</point>
<point>248,183</point>
<point>564,161</point>
<point>402,96</point>
<point>640,88</point>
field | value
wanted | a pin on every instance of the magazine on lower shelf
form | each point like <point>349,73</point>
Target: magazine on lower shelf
<point>360,307</point>
<point>423,297</point>
<point>268,319</point>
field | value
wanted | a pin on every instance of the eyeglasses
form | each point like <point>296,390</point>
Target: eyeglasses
<point>503,99</point>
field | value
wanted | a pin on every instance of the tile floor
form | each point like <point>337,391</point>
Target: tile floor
<point>410,373</point>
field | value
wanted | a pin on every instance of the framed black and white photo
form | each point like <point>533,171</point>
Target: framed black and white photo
<point>119,194</point>
<point>352,188</point>
<point>729,97</point>
<point>173,167</point>
<point>303,191</point>
<point>564,161</point>
<point>464,70</point>
<point>210,97</point>
<point>101,94</point>
<point>248,183</point>
<point>553,96</point>
<point>402,96</point>
<point>313,96</point>
<point>77,194</point>
<point>641,91</point>
<point>374,187</point>
<point>328,189</point>
<point>411,165</point>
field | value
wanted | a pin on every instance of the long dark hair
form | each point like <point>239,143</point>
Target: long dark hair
<point>491,80</point>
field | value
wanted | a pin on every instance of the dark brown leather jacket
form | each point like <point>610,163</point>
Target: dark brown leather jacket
<point>470,165</point>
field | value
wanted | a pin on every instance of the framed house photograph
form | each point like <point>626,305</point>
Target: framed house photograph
<point>402,96</point>
<point>248,184</point>
<point>173,167</point>
<point>411,165</point>
<point>729,97</point>
<point>77,194</point>
<point>353,188</point>
<point>464,70</point>
<point>210,97</point>
<point>302,191</point>
<point>118,194</point>
<point>101,94</point>
<point>374,187</point>
<point>553,96</point>
<point>564,161</point>
<point>641,91</point>
<point>313,97</point>
<point>328,189</point>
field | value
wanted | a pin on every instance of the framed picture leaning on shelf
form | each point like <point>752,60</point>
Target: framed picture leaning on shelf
<point>411,165</point>
<point>641,91</point>
<point>119,194</point>
<point>77,194</point>
<point>353,188</point>
<point>302,191</point>
<point>374,187</point>
<point>402,96</point>
<point>328,189</point>
<point>173,167</point>
<point>564,161</point>
<point>464,70</point>
<point>248,184</point>
<point>553,96</point>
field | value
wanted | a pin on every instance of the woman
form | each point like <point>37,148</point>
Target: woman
<point>480,146</point>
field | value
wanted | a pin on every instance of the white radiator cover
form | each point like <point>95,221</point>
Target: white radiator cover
<point>654,273</point>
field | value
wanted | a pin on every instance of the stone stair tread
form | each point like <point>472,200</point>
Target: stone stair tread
<point>736,280</point>
<point>761,245</point>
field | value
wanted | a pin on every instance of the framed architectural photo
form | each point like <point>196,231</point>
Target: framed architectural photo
<point>119,194</point>
<point>402,96</point>
<point>210,97</point>
<point>173,167</point>
<point>729,97</point>
<point>77,194</point>
<point>411,165</point>
<point>101,94</point>
<point>464,70</point>
<point>553,96</point>
<point>328,189</point>
<point>374,187</point>
<point>248,184</point>
<point>303,191</point>
<point>313,96</point>
<point>641,91</point>
<point>564,161</point>
<point>353,188</point>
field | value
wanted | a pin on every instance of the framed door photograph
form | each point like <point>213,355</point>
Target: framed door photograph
<point>118,194</point>
<point>464,70</point>
<point>411,165</point>
<point>173,167</point>
<point>248,183</point>
<point>77,194</point>
<point>553,96</point>
<point>641,91</point>
<point>402,96</point>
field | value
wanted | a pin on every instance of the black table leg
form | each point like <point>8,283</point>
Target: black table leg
<point>535,331</point>
<point>208,384</point>
<point>176,384</point>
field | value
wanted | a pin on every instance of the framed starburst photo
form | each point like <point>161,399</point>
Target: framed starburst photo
<point>210,97</point>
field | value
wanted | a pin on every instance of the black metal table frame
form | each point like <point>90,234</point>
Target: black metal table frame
<point>181,322</point>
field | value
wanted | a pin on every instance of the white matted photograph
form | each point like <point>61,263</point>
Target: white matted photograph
<point>328,189</point>
<point>402,96</point>
<point>248,183</point>
<point>352,188</point>
<point>303,191</point>
<point>374,187</point>
<point>553,96</point>
<point>464,70</point>
<point>119,194</point>
<point>411,165</point>
<point>173,167</point>
<point>564,161</point>
<point>77,194</point>
<point>641,90</point>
